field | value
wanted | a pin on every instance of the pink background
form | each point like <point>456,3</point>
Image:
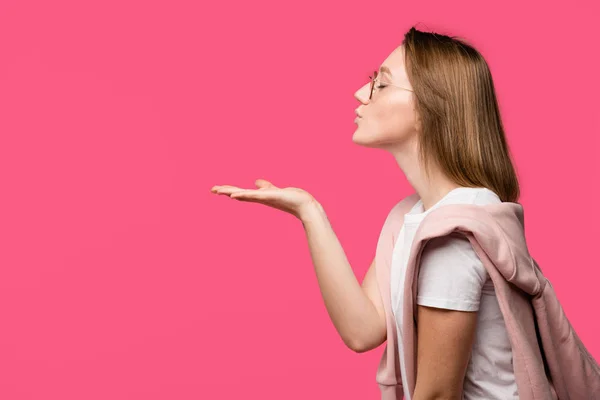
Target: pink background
<point>123,277</point>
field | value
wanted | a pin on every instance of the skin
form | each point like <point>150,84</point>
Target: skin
<point>389,121</point>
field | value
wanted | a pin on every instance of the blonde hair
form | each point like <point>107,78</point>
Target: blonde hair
<point>460,128</point>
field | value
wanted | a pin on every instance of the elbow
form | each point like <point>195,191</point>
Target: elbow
<point>353,344</point>
<point>367,341</point>
<point>358,346</point>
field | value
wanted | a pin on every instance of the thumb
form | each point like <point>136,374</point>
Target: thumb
<point>261,183</point>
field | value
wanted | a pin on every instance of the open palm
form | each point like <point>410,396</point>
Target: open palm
<point>292,200</point>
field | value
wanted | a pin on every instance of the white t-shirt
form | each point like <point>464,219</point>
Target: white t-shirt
<point>453,277</point>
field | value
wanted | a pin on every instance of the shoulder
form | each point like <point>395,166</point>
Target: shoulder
<point>404,205</point>
<point>450,274</point>
<point>395,216</point>
<point>452,255</point>
<point>453,244</point>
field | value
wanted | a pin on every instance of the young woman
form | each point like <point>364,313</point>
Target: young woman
<point>432,105</point>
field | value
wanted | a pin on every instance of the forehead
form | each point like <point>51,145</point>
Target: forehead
<point>393,65</point>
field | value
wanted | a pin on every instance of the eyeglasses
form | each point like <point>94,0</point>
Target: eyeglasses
<point>374,78</point>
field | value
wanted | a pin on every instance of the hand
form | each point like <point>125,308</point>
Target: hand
<point>292,200</point>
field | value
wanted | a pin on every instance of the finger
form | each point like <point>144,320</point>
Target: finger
<point>226,189</point>
<point>263,183</point>
<point>245,196</point>
<point>249,195</point>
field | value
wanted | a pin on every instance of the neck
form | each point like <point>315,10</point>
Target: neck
<point>430,190</point>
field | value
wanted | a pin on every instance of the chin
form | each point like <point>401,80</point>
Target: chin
<point>362,141</point>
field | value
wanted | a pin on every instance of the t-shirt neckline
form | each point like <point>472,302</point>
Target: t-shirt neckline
<point>416,213</point>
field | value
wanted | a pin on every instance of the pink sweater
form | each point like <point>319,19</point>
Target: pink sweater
<point>528,303</point>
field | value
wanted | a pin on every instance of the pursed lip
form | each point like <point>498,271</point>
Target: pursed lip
<point>356,112</point>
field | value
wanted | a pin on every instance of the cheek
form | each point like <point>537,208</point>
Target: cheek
<point>397,118</point>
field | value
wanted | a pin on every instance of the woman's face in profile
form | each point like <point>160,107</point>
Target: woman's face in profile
<point>387,119</point>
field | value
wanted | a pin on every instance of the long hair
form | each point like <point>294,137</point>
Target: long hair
<point>460,128</point>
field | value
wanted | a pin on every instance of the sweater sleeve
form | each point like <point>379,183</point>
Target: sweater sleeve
<point>451,275</point>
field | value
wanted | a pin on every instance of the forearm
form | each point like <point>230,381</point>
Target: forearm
<point>351,311</point>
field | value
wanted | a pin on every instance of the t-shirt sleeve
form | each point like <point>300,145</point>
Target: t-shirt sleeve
<point>451,274</point>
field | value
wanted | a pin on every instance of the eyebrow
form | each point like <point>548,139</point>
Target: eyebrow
<point>385,70</point>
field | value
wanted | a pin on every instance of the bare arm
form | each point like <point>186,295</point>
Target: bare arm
<point>355,310</point>
<point>444,345</point>
<point>371,288</point>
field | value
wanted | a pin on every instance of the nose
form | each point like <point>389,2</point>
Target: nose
<point>362,94</point>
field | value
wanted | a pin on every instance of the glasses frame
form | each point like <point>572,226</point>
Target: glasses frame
<point>373,78</point>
